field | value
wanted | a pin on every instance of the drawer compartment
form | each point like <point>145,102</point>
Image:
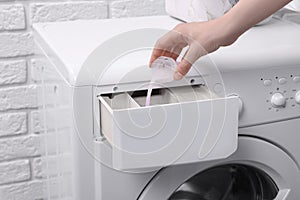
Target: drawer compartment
<point>181,125</point>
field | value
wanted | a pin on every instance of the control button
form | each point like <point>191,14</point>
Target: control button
<point>296,79</point>
<point>278,100</point>
<point>267,82</point>
<point>297,97</point>
<point>282,81</point>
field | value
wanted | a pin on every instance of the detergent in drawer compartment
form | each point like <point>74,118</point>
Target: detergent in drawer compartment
<point>182,125</point>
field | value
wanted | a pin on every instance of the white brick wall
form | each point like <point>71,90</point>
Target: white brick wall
<point>63,11</point>
<point>12,17</point>
<point>131,8</point>
<point>14,171</point>
<point>13,124</point>
<point>18,97</point>
<point>21,142</point>
<point>19,147</point>
<point>13,72</point>
<point>22,191</point>
<point>15,44</point>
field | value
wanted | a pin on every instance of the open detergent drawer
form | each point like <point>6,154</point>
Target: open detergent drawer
<point>182,125</point>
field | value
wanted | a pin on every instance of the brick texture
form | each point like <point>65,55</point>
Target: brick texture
<point>13,124</point>
<point>14,171</point>
<point>19,147</point>
<point>18,97</point>
<point>131,8</point>
<point>12,72</point>
<point>16,44</point>
<point>37,168</point>
<point>45,12</point>
<point>12,17</point>
<point>22,191</point>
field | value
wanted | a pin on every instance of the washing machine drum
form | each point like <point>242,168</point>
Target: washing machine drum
<point>229,182</point>
<point>253,172</point>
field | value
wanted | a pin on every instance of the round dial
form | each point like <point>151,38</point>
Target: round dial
<point>297,97</point>
<point>278,100</point>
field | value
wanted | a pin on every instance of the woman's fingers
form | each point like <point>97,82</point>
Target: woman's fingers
<point>166,53</point>
<point>166,44</point>
<point>175,52</point>
<point>161,46</point>
<point>156,53</point>
<point>192,55</point>
<point>171,45</point>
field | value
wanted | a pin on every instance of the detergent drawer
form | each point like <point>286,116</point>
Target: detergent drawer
<point>181,125</point>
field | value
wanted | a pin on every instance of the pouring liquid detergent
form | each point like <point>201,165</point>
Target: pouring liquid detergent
<point>162,70</point>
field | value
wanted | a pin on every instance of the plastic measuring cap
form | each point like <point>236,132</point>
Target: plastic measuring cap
<point>163,69</point>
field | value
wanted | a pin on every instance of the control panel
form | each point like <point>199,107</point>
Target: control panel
<point>284,91</point>
<point>268,94</point>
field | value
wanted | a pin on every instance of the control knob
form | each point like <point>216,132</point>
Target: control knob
<point>297,97</point>
<point>278,100</point>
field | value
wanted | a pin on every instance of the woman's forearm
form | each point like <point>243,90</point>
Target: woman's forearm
<point>247,13</point>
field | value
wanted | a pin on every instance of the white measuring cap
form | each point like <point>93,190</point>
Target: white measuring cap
<point>163,69</point>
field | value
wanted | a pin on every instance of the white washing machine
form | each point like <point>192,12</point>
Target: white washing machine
<point>231,132</point>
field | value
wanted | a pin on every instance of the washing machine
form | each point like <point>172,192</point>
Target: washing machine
<point>228,130</point>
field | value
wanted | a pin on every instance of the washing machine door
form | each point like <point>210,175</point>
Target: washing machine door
<point>257,171</point>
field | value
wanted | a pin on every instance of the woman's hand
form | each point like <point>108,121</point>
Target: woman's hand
<point>206,37</point>
<point>200,37</point>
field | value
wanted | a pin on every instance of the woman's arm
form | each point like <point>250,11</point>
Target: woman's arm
<point>206,37</point>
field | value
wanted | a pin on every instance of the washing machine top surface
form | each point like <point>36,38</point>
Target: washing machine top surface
<point>83,50</point>
<point>71,43</point>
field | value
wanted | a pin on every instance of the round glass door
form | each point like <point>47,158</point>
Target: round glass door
<point>228,182</point>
